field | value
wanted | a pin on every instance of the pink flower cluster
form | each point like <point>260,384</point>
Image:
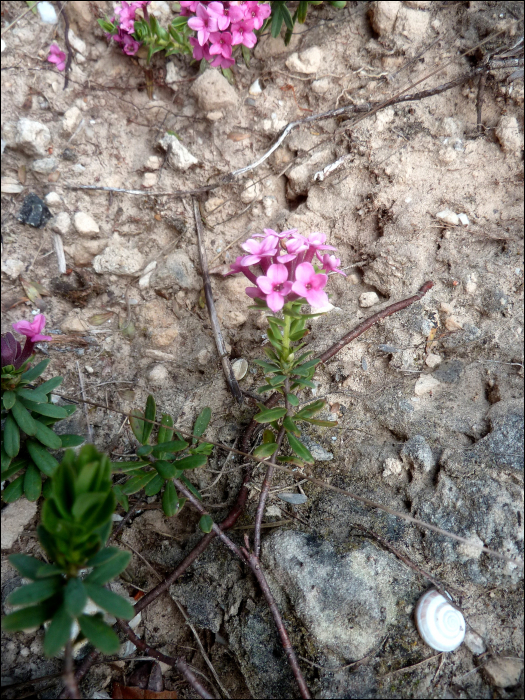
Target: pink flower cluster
<point>223,25</point>
<point>125,16</point>
<point>56,55</point>
<point>286,261</point>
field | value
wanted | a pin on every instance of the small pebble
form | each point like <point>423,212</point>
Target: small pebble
<point>463,219</point>
<point>52,199</point>
<point>47,13</point>
<point>425,385</point>
<point>149,180</point>
<point>11,188</point>
<point>295,499</point>
<point>368,299</point>
<point>448,216</point>
<point>433,361</point>
<point>85,224</point>
<point>388,348</point>
<point>89,369</point>
<point>364,364</point>
<point>255,88</point>
<point>471,287</point>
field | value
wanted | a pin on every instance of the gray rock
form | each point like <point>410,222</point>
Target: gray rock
<point>346,602</point>
<point>503,672</point>
<point>32,137</point>
<point>177,271</point>
<point>295,499</point>
<point>15,519</point>
<point>449,372</point>
<point>417,453</point>
<point>61,223</point>
<point>318,451</point>
<point>213,91</point>
<point>494,301</point>
<point>504,444</point>
<point>44,165</point>
<point>119,260</point>
<point>179,157</point>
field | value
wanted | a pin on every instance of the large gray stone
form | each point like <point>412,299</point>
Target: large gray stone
<point>213,91</point>
<point>177,271</point>
<point>32,137</point>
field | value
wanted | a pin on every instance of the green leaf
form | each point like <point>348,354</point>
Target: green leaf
<point>171,446</point>
<point>14,490</point>
<point>246,54</point>
<point>127,466</point>
<point>322,423</point>
<point>308,365</point>
<point>24,419</point>
<point>121,496</point>
<point>35,592</point>
<point>170,501</point>
<point>267,366</point>
<point>6,460</point>
<point>202,422</point>
<point>150,413</point>
<point>47,570</point>
<point>107,27</point>
<point>277,19</point>
<point>11,437</point>
<point>277,380</point>
<point>144,450</point>
<point>8,399</point>
<point>35,371</point>
<point>302,11</point>
<point>192,462</point>
<point>47,387</point>
<point>109,569</point>
<point>154,485</point>
<point>298,335</point>
<point>63,490</point>
<point>111,602</point>
<point>136,483</point>
<point>137,425</point>
<point>45,409</point>
<point>195,491</point>
<point>59,631</point>
<point>75,597</point>
<point>87,502</point>
<point>265,388</point>
<point>270,415</point>
<point>267,450</point>
<point>292,400</point>
<point>103,556</point>
<point>16,466</point>
<point>205,448</point>
<point>179,22</point>
<point>340,4</point>
<point>32,395</point>
<point>300,450</point>
<point>27,618</point>
<point>303,382</point>
<point>310,410</point>
<point>166,428</point>
<point>291,460</point>
<point>41,457</point>
<point>206,523</point>
<point>167,470</point>
<point>99,634</point>
<point>47,437</point>
<point>32,483</point>
<point>70,440</point>
<point>25,565</point>
<point>290,426</point>
<point>228,75</point>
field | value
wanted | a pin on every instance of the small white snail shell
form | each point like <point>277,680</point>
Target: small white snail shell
<point>440,625</point>
<point>240,368</point>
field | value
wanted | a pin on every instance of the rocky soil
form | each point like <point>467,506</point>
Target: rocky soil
<point>428,402</point>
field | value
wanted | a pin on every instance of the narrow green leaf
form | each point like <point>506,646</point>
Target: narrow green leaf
<point>103,556</point>
<point>121,496</point>
<point>14,490</point>
<point>111,602</point>
<point>35,592</point>
<point>193,489</point>
<point>265,388</point>
<point>32,395</point>
<point>87,502</point>
<point>127,466</point>
<point>8,399</point>
<point>310,410</point>
<point>167,470</point>
<point>136,483</point>
<point>277,19</point>
<point>24,419</point>
<point>302,11</point>
<point>47,570</point>
<point>192,462</point>
<point>264,451</point>
<point>298,335</point>
<point>150,413</point>
<point>267,366</point>
<point>246,54</point>
<point>6,460</point>
<point>206,523</point>
<point>71,440</point>
<point>32,483</point>
<point>109,569</point>
<point>292,400</point>
<point>270,415</point>
<point>303,382</point>
<point>171,446</point>
<point>268,436</point>
<point>321,423</point>
<point>45,409</point>
<point>47,437</point>
<point>59,631</point>
<point>300,450</point>
<point>51,384</point>
<point>25,565</point>
<point>75,597</point>
<point>166,428</point>
<point>11,437</point>
<point>144,450</point>
<point>277,380</point>
<point>137,425</point>
<point>170,501</point>
<point>99,634</point>
<point>35,371</point>
<point>154,485</point>
<point>41,457</point>
<point>27,618</point>
<point>291,460</point>
<point>290,426</point>
<point>202,422</point>
<point>63,489</point>
<point>204,448</point>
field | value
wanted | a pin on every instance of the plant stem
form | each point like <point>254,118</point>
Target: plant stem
<point>69,675</point>
<point>286,337</point>
<point>264,495</point>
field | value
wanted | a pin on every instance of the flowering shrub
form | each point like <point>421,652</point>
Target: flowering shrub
<point>27,410</point>
<point>288,271</point>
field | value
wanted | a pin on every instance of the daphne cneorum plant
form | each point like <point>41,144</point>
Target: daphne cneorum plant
<point>75,526</point>
<point>295,272</point>
<point>28,415</point>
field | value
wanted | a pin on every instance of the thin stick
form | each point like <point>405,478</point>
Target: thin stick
<point>126,518</point>
<point>479,100</point>
<point>83,392</point>
<point>215,325</point>
<point>68,45</point>
<point>69,676</point>
<point>201,648</point>
<point>264,495</point>
<point>179,663</point>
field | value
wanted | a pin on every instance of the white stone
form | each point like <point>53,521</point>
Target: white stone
<point>149,180</point>
<point>52,199</point>
<point>471,287</point>
<point>85,224</point>
<point>412,23</point>
<point>47,13</point>
<point>320,87</point>
<point>475,642</point>
<point>172,74</point>
<point>77,43</point>
<point>504,672</point>
<point>215,116</point>
<point>71,120</point>
<point>307,62</point>
<point>15,519</point>
<point>463,219</point>
<point>179,157</point>
<point>84,251</point>
<point>392,467</point>
<point>145,280</point>
<point>425,385</point>
<point>471,551</point>
<point>61,223</point>
<point>269,205</point>
<point>2,46</point>
<point>383,16</point>
<point>448,216</point>
<point>158,375</point>
<point>213,91</point>
<point>161,10</point>
<point>255,88</point>
<point>12,267</point>
<point>368,299</point>
<point>509,135</point>
<point>433,361</point>
<point>153,163</point>
<point>250,192</point>
<point>32,137</point>
<point>10,187</point>
<point>119,259</point>
<point>44,165</point>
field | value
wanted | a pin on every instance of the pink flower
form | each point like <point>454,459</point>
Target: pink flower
<point>242,32</point>
<point>57,56</point>
<point>221,14</point>
<point>221,44</point>
<point>316,241</point>
<point>259,250</point>
<point>310,285</point>
<point>258,13</point>
<point>271,232</point>
<point>189,6</point>
<point>330,263</point>
<point>239,266</point>
<point>222,62</point>
<point>33,330</point>
<point>203,24</point>
<point>199,51</point>
<point>126,14</point>
<point>297,244</point>
<point>130,46</point>
<point>275,286</point>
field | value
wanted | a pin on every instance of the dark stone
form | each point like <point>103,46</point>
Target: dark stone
<point>494,302</point>
<point>69,154</point>
<point>449,372</point>
<point>504,444</point>
<point>34,212</point>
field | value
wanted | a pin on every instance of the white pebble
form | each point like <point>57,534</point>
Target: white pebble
<point>448,216</point>
<point>149,180</point>
<point>425,385</point>
<point>255,88</point>
<point>89,369</point>
<point>463,219</point>
<point>2,49</point>
<point>47,13</point>
<point>433,360</point>
<point>85,224</point>
<point>471,287</point>
<point>368,299</point>
<point>52,199</point>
